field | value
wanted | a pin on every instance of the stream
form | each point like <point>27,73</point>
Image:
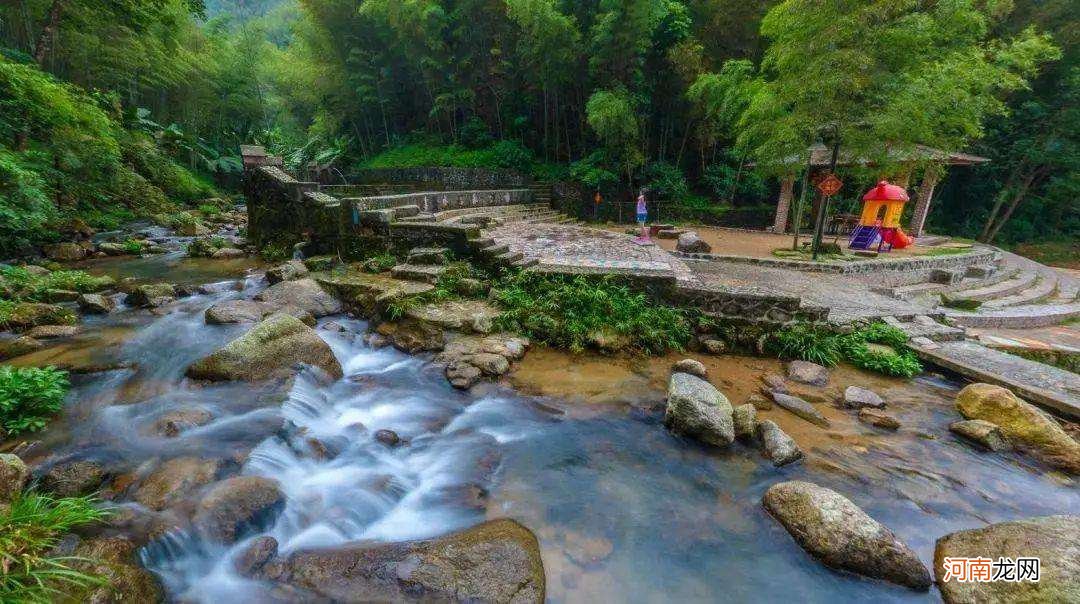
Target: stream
<point>572,447</point>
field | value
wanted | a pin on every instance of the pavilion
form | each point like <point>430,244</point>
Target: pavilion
<point>820,157</point>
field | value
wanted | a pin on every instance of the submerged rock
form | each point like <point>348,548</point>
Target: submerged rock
<point>171,424</point>
<point>175,480</point>
<point>1054,540</point>
<point>858,398</point>
<point>237,505</point>
<point>305,294</point>
<point>51,332</point>
<point>774,383</point>
<point>497,561</point>
<point>744,417</point>
<point>694,368</point>
<point>74,478</point>
<point>16,347</point>
<point>806,372</point>
<point>273,348</point>
<point>1022,423</point>
<point>255,556</point>
<point>113,559</point>
<point>236,311</point>
<point>840,534</point>
<point>878,419</point>
<point>695,408</point>
<point>800,408</point>
<point>13,477</point>
<point>151,296</point>
<point>780,448</point>
<point>982,433</point>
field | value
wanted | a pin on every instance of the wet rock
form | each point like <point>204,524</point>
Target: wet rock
<point>59,295</point>
<point>13,477</point>
<point>293,269</point>
<point>95,304</point>
<point>301,293</point>
<point>273,348</point>
<point>255,556</point>
<point>697,409</point>
<point>236,311</point>
<point>837,532</point>
<point>25,315</point>
<point>715,347</point>
<point>175,480</point>
<point>335,327</point>
<point>490,364</point>
<point>227,253</point>
<point>878,419</point>
<point>113,559</point>
<point>982,433</point>
<point>111,248</point>
<point>462,375</point>
<point>497,561</point>
<point>50,332</point>
<point>858,398</point>
<point>692,243</point>
<point>412,336</point>
<point>780,448</point>
<point>388,437</point>
<point>1054,540</point>
<point>151,296</point>
<point>237,505</point>
<point>74,478</point>
<point>466,316</point>
<point>1022,423</point>
<point>65,252</point>
<point>695,368</point>
<point>759,402</point>
<point>805,372</point>
<point>800,408</point>
<point>186,291</point>
<point>744,418</point>
<point>774,383</point>
<point>16,347</point>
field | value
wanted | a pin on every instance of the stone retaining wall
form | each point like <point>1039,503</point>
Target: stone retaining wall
<point>442,179</point>
<point>439,201</point>
<point>862,267</point>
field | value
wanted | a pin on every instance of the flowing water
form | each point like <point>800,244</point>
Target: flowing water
<point>570,446</point>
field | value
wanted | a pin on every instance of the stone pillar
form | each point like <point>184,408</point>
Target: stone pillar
<point>922,203</point>
<point>783,205</point>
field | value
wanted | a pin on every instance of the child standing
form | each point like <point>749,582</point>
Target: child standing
<point>643,217</point>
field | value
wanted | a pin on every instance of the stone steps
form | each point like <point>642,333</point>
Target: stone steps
<point>1019,317</point>
<point>924,326</point>
<point>1000,290</point>
<point>428,256</point>
<point>917,290</point>
<point>1044,289</point>
<point>418,272</point>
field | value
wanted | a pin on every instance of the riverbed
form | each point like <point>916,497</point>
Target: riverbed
<point>571,446</point>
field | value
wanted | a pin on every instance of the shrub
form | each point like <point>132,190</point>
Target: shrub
<point>578,312</point>
<point>19,284</point>
<point>666,181</point>
<point>25,207</point>
<point>820,345</point>
<point>29,530</point>
<point>208,209</point>
<point>806,342</point>
<point>133,247</point>
<point>29,396</point>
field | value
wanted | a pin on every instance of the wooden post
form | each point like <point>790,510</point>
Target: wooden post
<point>922,202</point>
<point>783,204</point>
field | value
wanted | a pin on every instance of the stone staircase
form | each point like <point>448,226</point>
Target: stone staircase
<point>423,265</point>
<point>499,215</point>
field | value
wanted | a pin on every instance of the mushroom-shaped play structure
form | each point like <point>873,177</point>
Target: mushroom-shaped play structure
<point>879,226</point>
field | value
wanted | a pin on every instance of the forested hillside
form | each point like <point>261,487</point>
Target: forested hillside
<point>119,107</point>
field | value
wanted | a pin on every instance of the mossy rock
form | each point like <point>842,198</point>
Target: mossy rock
<point>31,314</point>
<point>273,348</point>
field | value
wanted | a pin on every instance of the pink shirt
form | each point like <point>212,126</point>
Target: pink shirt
<point>641,209</point>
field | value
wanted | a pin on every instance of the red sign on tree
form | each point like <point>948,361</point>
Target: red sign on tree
<point>830,185</point>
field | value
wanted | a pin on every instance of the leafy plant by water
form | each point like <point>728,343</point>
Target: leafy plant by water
<point>579,312</point>
<point>807,342</point>
<point>29,396</point>
<point>29,530</point>
<point>17,283</point>
<point>877,347</point>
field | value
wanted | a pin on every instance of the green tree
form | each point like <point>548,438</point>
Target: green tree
<point>612,115</point>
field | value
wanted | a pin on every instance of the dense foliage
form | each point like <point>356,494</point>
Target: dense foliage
<point>29,530</point>
<point>579,313</point>
<point>29,396</point>
<point>877,347</point>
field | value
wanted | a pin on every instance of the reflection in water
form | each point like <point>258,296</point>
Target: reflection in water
<point>624,510</point>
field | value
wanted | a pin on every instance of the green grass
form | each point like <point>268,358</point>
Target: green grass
<point>29,529</point>
<point>29,396</point>
<point>579,312</point>
<point>823,346</point>
<point>209,210</point>
<point>1065,254</point>
<point>17,283</point>
<point>960,303</point>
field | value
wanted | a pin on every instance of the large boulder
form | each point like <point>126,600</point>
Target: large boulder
<point>695,408</point>
<point>1054,540</point>
<point>236,311</point>
<point>114,560</point>
<point>836,531</point>
<point>13,477</point>
<point>273,348</point>
<point>236,506</point>
<point>25,315</point>
<point>806,372</point>
<point>497,561</point>
<point>65,252</point>
<point>1022,423</point>
<point>96,304</point>
<point>175,480</point>
<point>692,243</point>
<point>780,448</point>
<point>800,408</point>
<point>293,269</point>
<point>466,316</point>
<point>151,296</point>
<point>302,293</point>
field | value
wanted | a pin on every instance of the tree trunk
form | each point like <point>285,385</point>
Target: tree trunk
<point>1021,193</point>
<point>48,32</point>
<point>998,203</point>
